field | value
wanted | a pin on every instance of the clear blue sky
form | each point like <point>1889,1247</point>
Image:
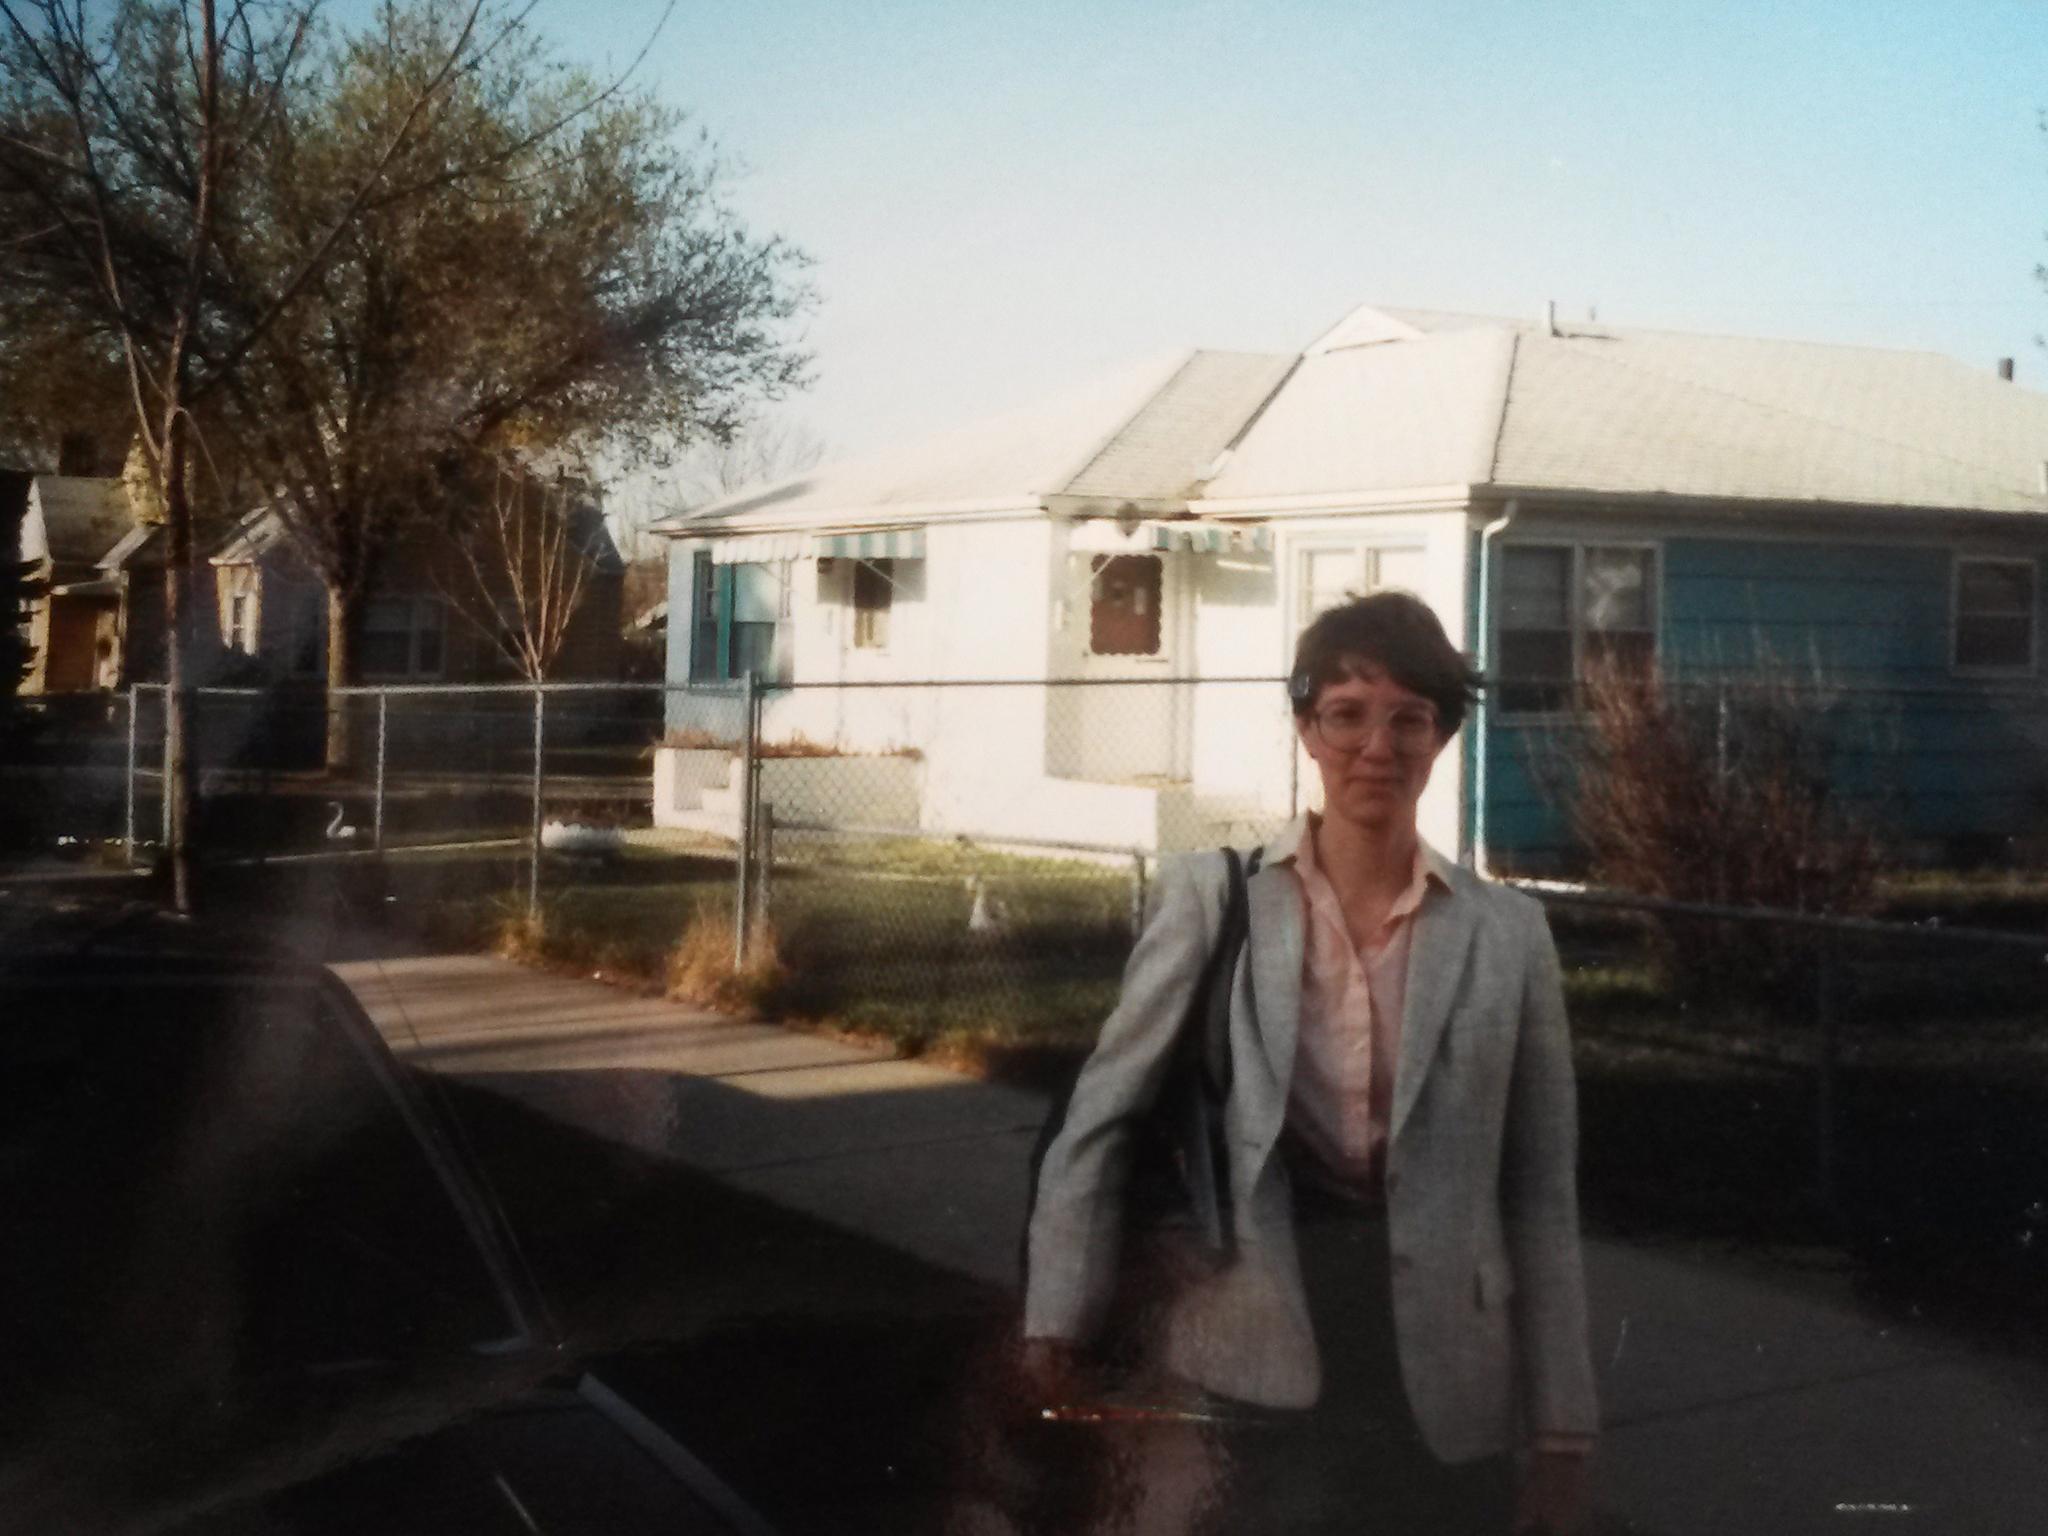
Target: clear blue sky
<point>1005,199</point>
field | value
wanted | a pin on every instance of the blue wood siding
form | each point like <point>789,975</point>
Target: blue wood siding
<point>1942,762</point>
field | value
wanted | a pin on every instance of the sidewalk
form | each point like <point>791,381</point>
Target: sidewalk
<point>1734,1403</point>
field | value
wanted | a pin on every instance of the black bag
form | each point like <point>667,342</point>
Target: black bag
<point>1179,1174</point>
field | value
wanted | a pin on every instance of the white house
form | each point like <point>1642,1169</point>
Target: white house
<point>1555,492</point>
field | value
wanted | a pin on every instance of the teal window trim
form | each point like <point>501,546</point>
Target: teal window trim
<point>714,625</point>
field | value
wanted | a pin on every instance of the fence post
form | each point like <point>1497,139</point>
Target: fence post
<point>1830,1062</point>
<point>377,809</point>
<point>1137,891</point>
<point>539,745</point>
<point>749,789</point>
<point>764,875</point>
<point>128,795</point>
<point>164,773</point>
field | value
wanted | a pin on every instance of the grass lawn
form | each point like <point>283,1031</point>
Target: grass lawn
<point>872,937</point>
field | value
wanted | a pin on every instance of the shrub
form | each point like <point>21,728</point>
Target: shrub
<point>521,935</point>
<point>1722,796</point>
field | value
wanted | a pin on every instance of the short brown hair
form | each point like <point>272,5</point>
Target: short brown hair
<point>1395,633</point>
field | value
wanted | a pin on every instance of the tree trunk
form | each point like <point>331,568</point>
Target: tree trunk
<point>341,662</point>
<point>178,633</point>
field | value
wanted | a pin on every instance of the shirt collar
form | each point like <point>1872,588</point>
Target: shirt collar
<point>1286,848</point>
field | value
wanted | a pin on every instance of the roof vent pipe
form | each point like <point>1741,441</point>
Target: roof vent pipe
<point>2005,369</point>
<point>1550,316</point>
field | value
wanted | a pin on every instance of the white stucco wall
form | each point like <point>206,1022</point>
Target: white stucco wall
<point>989,588</point>
<point>1004,600</point>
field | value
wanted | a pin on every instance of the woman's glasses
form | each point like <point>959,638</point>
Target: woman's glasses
<point>1410,728</point>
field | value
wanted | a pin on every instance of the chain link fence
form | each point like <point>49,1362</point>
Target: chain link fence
<point>1778,1076</point>
<point>966,863</point>
<point>926,859</point>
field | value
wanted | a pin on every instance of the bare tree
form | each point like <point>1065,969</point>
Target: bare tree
<point>526,561</point>
<point>763,450</point>
<point>129,132</point>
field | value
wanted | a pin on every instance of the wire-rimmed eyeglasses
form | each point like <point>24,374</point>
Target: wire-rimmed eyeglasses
<point>1347,726</point>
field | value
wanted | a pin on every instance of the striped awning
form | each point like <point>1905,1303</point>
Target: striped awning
<point>877,544</point>
<point>1102,536</point>
<point>747,548</point>
<point>883,544</point>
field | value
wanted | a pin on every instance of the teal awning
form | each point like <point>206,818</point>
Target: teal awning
<point>886,544</point>
<point>1209,539</point>
<point>1103,536</point>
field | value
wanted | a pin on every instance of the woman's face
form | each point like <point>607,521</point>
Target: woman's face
<point>1374,743</point>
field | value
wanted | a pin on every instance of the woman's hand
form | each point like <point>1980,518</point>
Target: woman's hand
<point>1556,1496</point>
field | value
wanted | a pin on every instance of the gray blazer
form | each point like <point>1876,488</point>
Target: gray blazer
<point>1482,1203</point>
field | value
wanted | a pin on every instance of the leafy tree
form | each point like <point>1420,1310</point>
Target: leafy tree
<point>132,133</point>
<point>577,279</point>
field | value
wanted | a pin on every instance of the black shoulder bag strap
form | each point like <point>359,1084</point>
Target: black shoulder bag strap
<point>1203,1151</point>
<point>1189,1111</point>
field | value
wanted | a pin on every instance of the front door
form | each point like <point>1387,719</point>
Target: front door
<point>1120,721</point>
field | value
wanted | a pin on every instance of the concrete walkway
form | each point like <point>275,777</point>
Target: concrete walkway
<point>1738,1402</point>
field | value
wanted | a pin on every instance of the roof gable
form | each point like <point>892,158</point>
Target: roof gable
<point>74,519</point>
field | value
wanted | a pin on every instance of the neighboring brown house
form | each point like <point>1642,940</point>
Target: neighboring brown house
<point>75,618</point>
<point>419,622</point>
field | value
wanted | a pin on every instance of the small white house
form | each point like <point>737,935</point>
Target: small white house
<point>1555,492</point>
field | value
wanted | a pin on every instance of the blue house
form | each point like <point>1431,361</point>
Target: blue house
<point>1868,524</point>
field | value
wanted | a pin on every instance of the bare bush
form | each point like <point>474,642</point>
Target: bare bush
<point>1723,795</point>
<point>701,969</point>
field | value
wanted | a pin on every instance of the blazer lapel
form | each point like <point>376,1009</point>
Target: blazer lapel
<point>1275,951</point>
<point>1443,935</point>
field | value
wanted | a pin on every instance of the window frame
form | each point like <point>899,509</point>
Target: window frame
<point>1162,640</point>
<point>1575,615</point>
<point>241,624</point>
<point>706,659</point>
<point>418,603</point>
<point>1366,552</point>
<point>871,623</point>
<point>721,595</point>
<point>1959,668</point>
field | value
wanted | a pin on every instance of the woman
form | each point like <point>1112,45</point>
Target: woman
<point>1407,1284</point>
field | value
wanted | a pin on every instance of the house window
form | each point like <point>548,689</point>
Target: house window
<point>403,637</point>
<point>241,624</point>
<point>756,605</point>
<point>1994,615</point>
<point>874,591</point>
<point>1337,575</point>
<point>1123,608</point>
<point>1567,610</point>
<point>738,611</point>
<point>305,629</point>
<point>704,657</point>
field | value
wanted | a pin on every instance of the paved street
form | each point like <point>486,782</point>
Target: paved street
<point>1737,1399</point>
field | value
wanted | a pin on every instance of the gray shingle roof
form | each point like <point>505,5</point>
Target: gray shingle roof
<point>1144,433</point>
<point>1399,398</point>
<point>81,516</point>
